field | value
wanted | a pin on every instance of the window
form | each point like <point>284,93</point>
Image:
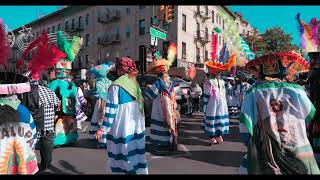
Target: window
<point>243,31</point>
<point>117,33</point>
<point>212,16</point>
<point>207,11</point>
<point>72,24</point>
<point>58,27</point>
<point>108,13</point>
<point>128,10</point>
<point>87,59</point>
<point>117,54</point>
<point>79,62</point>
<point>142,7</point>
<point>220,43</point>
<point>217,17</point>
<point>206,55</point>
<point>48,30</point>
<point>128,31</point>
<point>184,50</point>
<point>142,26</point>
<point>106,37</point>
<point>198,54</point>
<point>207,34</point>
<point>87,40</point>
<point>80,22</point>
<point>198,9</point>
<point>117,12</point>
<point>66,27</point>
<point>166,26</point>
<point>184,22</point>
<point>87,19</point>
<point>53,29</point>
<point>198,30</point>
<point>153,20</point>
<point>38,33</point>
<point>98,16</point>
<point>222,23</point>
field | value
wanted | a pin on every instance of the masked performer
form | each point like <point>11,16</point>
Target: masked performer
<point>66,125</point>
<point>124,122</point>
<point>275,114</point>
<point>102,84</point>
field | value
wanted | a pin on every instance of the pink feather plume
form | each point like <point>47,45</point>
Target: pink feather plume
<point>214,46</point>
<point>314,32</point>
<point>5,50</point>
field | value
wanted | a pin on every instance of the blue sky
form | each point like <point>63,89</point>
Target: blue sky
<point>264,17</point>
<point>261,17</point>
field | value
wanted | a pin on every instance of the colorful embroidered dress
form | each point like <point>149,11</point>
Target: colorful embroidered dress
<point>160,133</point>
<point>216,116</point>
<point>124,123</point>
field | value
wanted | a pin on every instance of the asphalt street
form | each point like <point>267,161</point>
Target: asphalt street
<point>194,155</point>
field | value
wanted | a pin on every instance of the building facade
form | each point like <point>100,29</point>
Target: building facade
<point>113,31</point>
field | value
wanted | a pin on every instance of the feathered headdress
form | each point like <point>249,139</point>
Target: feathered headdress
<point>214,46</point>
<point>215,66</point>
<point>71,49</point>
<point>163,64</point>
<point>302,33</point>
<point>5,49</point>
<point>314,32</point>
<point>46,55</point>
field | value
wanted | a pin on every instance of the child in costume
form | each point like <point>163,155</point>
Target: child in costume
<point>124,122</point>
<point>275,114</point>
<point>45,56</point>
<point>164,115</point>
<point>102,84</point>
<point>66,125</point>
<point>216,121</point>
<point>17,128</point>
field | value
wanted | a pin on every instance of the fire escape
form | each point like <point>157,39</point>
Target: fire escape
<point>201,37</point>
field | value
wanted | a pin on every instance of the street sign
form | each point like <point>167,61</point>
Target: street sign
<point>158,33</point>
<point>154,40</point>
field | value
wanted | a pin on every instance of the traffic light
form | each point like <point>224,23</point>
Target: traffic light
<point>162,8</point>
<point>169,13</point>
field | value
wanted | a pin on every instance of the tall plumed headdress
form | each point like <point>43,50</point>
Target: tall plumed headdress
<point>46,55</point>
<point>5,49</point>
<point>163,64</point>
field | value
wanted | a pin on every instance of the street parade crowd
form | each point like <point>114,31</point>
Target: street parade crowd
<point>268,96</point>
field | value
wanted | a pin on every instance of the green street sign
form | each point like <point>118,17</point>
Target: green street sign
<point>158,33</point>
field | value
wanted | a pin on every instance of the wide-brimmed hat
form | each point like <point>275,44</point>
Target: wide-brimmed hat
<point>216,67</point>
<point>152,67</point>
<point>278,65</point>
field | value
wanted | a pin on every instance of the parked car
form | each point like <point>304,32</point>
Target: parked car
<point>182,91</point>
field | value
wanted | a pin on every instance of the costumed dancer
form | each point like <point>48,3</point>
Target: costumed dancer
<point>45,56</point>
<point>66,125</point>
<point>124,122</point>
<point>164,115</point>
<point>216,115</point>
<point>17,128</point>
<point>102,84</point>
<point>233,97</point>
<point>275,114</point>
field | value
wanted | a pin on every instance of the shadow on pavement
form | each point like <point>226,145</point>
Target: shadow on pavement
<point>221,158</point>
<point>69,167</point>
<point>87,143</point>
<point>54,170</point>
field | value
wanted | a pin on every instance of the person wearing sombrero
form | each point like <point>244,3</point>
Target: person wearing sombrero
<point>99,73</point>
<point>275,113</point>
<point>216,120</point>
<point>123,124</point>
<point>164,115</point>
